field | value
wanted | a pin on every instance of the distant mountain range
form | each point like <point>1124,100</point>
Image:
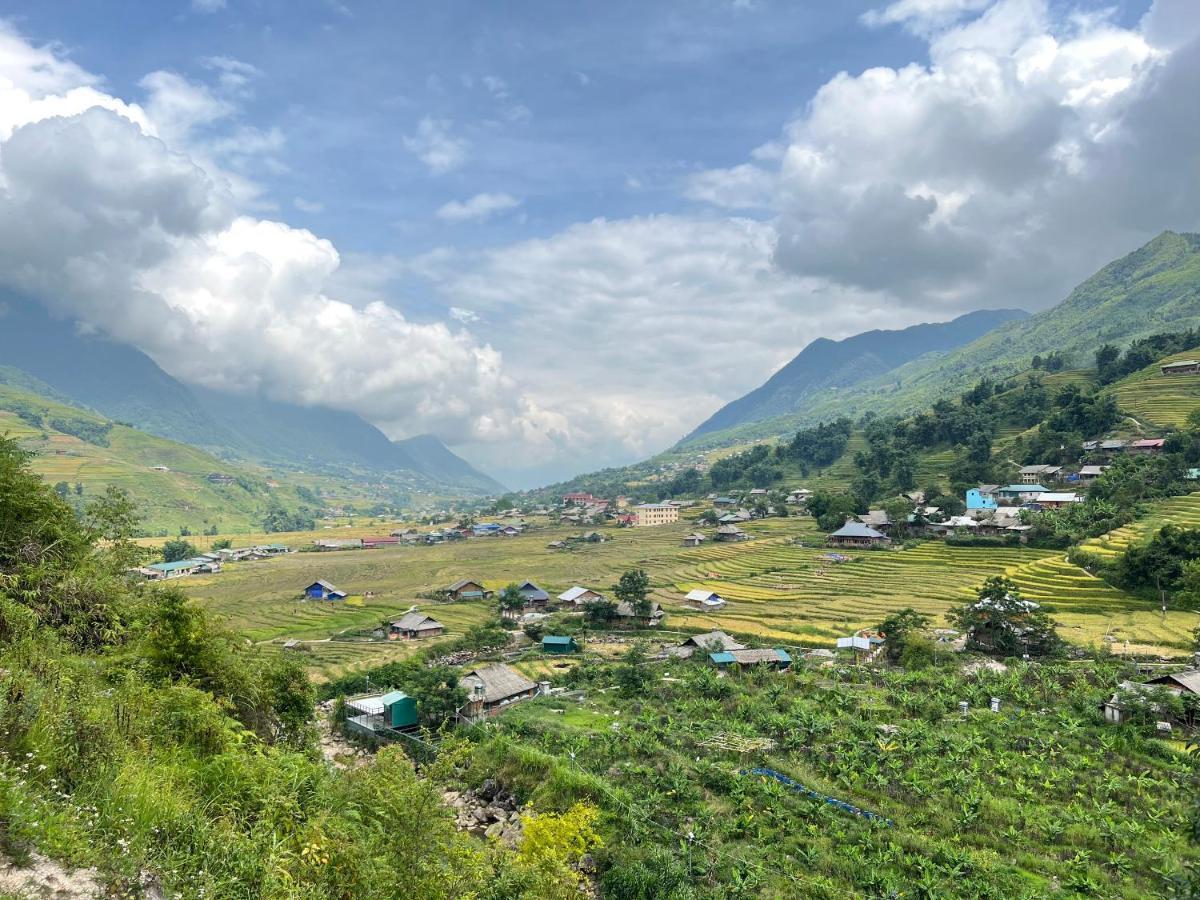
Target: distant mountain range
<point>125,385</point>
<point>1153,289</point>
<point>827,365</point>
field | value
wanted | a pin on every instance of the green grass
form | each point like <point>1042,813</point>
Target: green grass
<point>1157,400</point>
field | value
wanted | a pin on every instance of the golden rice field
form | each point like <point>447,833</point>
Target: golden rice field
<point>1158,400</point>
<point>777,590</point>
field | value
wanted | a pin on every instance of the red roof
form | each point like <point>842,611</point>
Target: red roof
<point>381,540</point>
<point>1149,442</point>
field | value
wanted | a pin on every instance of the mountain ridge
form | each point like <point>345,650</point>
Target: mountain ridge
<point>826,363</point>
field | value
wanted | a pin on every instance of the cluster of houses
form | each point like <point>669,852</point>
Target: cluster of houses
<point>1117,708</point>
<point>208,563</point>
<point>411,537</point>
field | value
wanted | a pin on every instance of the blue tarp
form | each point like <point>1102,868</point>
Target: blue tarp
<point>832,801</point>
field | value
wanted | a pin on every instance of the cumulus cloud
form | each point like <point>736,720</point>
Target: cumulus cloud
<point>436,147</point>
<point>108,217</point>
<point>1029,150</point>
<point>477,208</point>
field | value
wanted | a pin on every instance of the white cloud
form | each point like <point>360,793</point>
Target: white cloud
<point>466,316</point>
<point>436,147</point>
<point>235,75</point>
<point>208,6</point>
<point>921,16</point>
<point>107,216</point>
<point>308,206</point>
<point>477,208</point>
<point>1029,151</point>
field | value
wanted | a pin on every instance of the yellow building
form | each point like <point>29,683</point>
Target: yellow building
<point>656,514</point>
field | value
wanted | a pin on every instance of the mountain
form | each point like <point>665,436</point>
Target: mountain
<point>1155,288</point>
<point>826,364</point>
<point>125,385</point>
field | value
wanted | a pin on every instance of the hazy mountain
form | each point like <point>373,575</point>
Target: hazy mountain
<point>124,384</point>
<point>826,364</point>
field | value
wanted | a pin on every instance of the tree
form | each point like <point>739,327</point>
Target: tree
<point>62,489</point>
<point>832,510</point>
<point>78,489</point>
<point>633,676</point>
<point>511,598</point>
<point>899,627</point>
<point>175,550</point>
<point>222,544</point>
<point>1000,621</point>
<point>632,589</point>
<point>599,612</point>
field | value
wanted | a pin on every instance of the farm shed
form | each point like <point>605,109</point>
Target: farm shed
<point>466,589</point>
<point>492,688</point>
<point>705,599</point>
<point>414,626</point>
<point>558,643</point>
<point>725,659</point>
<point>323,590</point>
<point>381,712</point>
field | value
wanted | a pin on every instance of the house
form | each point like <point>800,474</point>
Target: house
<point>650,514</point>
<point>557,545</point>
<point>1091,473</point>
<point>492,688</point>
<point>705,599</point>
<point>578,596</point>
<point>465,589</point>
<point>534,595</point>
<point>876,518</point>
<point>724,501</point>
<point>1021,493</point>
<point>694,540</point>
<point>408,534</point>
<point>1056,500</point>
<point>485,529</point>
<point>799,496</point>
<point>710,641</point>
<point>413,626</point>
<point>577,498</point>
<point>1036,474</point>
<point>510,531</point>
<point>865,646</point>
<point>724,659</point>
<point>323,590</point>
<point>630,615</point>
<point>982,497</point>
<point>856,534</point>
<point>374,542</point>
<point>1181,367</point>
<point>594,537</point>
<point>1114,445</point>
<point>178,569</point>
<point>326,544</point>
<point>730,533</point>
<point>1187,682</point>
<point>954,523</point>
<point>1148,445</point>
<point>557,644</point>
<point>381,713</point>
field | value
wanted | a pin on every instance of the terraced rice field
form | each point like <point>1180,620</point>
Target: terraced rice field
<point>1158,400</point>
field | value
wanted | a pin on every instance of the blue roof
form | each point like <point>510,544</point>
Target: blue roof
<point>558,639</point>
<point>1023,489</point>
<point>783,655</point>
<point>722,657</point>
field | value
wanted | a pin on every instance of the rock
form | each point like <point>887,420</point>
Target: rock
<point>480,816</point>
<point>489,789</point>
<point>497,814</point>
<point>510,837</point>
<point>494,830</point>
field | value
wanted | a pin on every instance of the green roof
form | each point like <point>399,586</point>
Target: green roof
<point>721,658</point>
<point>173,566</point>
<point>558,639</point>
<point>393,697</point>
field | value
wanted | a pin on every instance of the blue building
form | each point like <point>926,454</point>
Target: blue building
<point>982,497</point>
<point>323,590</point>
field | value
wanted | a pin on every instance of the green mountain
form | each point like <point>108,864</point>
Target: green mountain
<point>125,385</point>
<point>826,365</point>
<point>1156,288</point>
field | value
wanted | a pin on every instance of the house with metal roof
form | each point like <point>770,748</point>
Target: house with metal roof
<point>534,595</point>
<point>559,644</point>
<point>178,569</point>
<point>466,589</point>
<point>856,534</point>
<point>695,539</point>
<point>493,688</point>
<point>377,714</point>
<point>703,598</point>
<point>731,533</point>
<point>1021,493</point>
<point>709,641</point>
<point>627,613</point>
<point>415,625</point>
<point>723,659</point>
<point>578,596</point>
<point>1181,367</point>
<point>323,590</point>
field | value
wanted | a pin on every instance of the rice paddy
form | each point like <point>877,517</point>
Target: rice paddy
<point>781,586</point>
<point>1157,400</point>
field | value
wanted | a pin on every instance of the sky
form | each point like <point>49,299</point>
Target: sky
<point>560,235</point>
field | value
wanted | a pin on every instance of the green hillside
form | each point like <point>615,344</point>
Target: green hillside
<point>1158,400</point>
<point>1153,289</point>
<point>77,446</point>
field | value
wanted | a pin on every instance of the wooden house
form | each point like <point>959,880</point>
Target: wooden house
<point>534,595</point>
<point>708,642</point>
<point>1181,367</point>
<point>693,540</point>
<point>856,534</point>
<point>579,596</point>
<point>466,589</point>
<point>730,534</point>
<point>627,614</point>
<point>701,598</point>
<point>492,688</point>
<point>414,626</point>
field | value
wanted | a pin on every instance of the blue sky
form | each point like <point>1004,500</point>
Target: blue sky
<point>585,226</point>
